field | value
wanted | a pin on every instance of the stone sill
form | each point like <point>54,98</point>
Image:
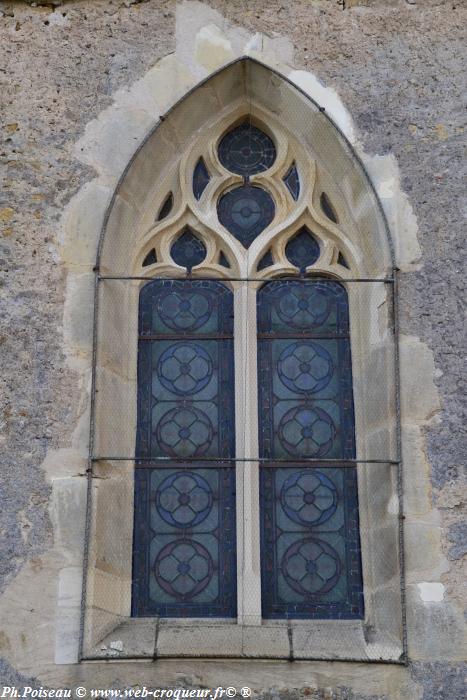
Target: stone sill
<point>334,640</point>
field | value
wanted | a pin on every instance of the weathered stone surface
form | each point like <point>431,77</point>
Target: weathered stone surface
<point>397,67</point>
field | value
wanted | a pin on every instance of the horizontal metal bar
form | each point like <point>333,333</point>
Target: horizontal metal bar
<point>182,336</point>
<point>389,280</point>
<point>284,659</point>
<point>301,336</point>
<point>300,460</point>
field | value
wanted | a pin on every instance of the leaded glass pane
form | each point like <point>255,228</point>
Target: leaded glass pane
<point>309,511</point>
<point>245,212</point>
<point>265,261</point>
<point>201,178</point>
<point>303,249</point>
<point>184,549</point>
<point>188,250</point>
<point>292,181</point>
<point>166,207</point>
<point>150,259</point>
<point>246,150</point>
<point>327,207</point>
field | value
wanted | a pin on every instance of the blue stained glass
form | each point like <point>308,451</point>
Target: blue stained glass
<point>292,181</point>
<point>303,249</point>
<point>311,564</point>
<point>184,541</point>
<point>246,211</point>
<point>223,260</point>
<point>150,259</point>
<point>188,250</point>
<point>201,178</point>
<point>166,207</point>
<point>266,261</point>
<point>246,150</point>
<point>327,208</point>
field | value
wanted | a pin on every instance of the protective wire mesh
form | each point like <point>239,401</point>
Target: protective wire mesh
<point>254,489</point>
<point>251,509</point>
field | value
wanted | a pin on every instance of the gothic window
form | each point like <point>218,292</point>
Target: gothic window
<point>245,456</point>
<point>184,561</point>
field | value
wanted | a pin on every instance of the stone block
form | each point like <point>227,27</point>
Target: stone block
<point>201,640</point>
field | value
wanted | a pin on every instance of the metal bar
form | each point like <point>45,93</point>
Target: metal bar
<point>388,280</point>
<point>286,660</point>
<point>197,460</point>
<point>183,336</point>
<point>92,413</point>
<point>300,336</point>
<point>400,475</point>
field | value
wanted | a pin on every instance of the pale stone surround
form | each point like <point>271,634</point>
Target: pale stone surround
<point>124,123</point>
<point>165,163</point>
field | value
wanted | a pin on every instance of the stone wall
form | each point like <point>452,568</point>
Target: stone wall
<point>76,79</point>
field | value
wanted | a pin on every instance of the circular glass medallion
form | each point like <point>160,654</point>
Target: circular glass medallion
<point>303,307</point>
<point>309,497</point>
<point>184,310</point>
<point>245,212</point>
<point>184,432</point>
<point>184,499</point>
<point>305,367</point>
<point>311,566</point>
<point>307,431</point>
<point>183,569</point>
<point>184,368</point>
<point>246,150</point>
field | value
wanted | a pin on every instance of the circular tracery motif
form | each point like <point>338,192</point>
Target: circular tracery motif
<point>246,150</point>
<point>185,311</point>
<point>311,566</point>
<point>183,569</point>
<point>303,249</point>
<point>306,431</point>
<point>245,212</point>
<point>304,308</point>
<point>184,432</point>
<point>305,367</point>
<point>309,498</point>
<point>184,499</point>
<point>188,250</point>
<point>185,369</point>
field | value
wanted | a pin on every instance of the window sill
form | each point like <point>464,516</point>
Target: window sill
<point>336,640</point>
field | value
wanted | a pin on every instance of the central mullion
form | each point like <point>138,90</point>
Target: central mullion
<point>247,472</point>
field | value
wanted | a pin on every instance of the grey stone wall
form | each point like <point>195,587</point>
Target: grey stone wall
<point>398,67</point>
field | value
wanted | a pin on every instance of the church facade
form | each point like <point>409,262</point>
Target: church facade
<point>232,356</point>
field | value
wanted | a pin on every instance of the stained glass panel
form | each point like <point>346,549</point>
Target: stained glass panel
<point>188,250</point>
<point>327,207</point>
<point>265,261</point>
<point>201,178</point>
<point>303,249</point>
<point>184,542</point>
<point>309,511</point>
<point>150,259</point>
<point>245,212</point>
<point>166,207</point>
<point>246,150</point>
<point>292,181</point>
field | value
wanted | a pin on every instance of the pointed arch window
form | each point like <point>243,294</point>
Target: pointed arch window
<point>245,456</point>
<point>184,543</point>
